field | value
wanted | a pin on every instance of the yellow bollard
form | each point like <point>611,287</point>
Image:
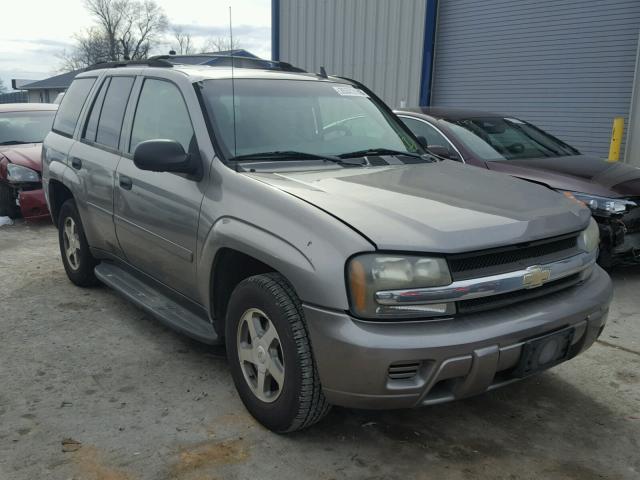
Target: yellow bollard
<point>616,139</point>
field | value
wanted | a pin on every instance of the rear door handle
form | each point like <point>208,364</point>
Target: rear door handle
<point>76,163</point>
<point>125,182</point>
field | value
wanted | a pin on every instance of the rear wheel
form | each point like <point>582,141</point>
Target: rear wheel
<point>8,207</point>
<point>270,355</point>
<point>76,256</point>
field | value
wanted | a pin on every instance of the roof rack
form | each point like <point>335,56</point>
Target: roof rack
<point>218,60</point>
<point>149,62</point>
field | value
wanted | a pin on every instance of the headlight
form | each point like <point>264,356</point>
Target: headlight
<point>589,238</point>
<point>371,273</point>
<point>602,205</point>
<point>19,174</point>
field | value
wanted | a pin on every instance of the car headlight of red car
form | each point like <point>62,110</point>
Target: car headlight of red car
<point>20,174</point>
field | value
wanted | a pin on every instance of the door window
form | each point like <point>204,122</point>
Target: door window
<point>422,129</point>
<point>91,127</point>
<point>105,121</point>
<point>161,114</point>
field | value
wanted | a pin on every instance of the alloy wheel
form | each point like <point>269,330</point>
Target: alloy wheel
<point>260,355</point>
<point>71,240</point>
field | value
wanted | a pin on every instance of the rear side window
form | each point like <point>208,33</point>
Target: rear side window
<point>161,113</point>
<point>72,102</point>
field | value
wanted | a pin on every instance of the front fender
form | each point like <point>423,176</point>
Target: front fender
<point>314,268</point>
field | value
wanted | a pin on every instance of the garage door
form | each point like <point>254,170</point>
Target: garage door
<point>566,65</point>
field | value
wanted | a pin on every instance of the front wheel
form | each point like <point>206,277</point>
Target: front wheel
<point>270,355</point>
<point>76,256</point>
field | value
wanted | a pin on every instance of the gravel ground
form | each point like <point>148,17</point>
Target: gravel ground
<point>92,388</point>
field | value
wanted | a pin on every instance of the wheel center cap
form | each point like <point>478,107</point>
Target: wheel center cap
<point>261,353</point>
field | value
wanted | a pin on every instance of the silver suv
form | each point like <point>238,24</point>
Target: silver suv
<point>294,218</point>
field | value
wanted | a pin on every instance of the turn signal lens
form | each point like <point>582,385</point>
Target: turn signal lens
<point>358,285</point>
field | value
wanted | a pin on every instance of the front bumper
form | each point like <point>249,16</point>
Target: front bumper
<point>620,239</point>
<point>452,359</point>
<point>32,204</point>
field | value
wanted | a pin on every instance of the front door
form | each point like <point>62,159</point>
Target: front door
<point>156,214</point>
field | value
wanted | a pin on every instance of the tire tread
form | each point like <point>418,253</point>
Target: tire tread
<point>313,405</point>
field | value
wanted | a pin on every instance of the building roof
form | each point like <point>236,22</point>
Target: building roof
<point>238,52</point>
<point>61,81</point>
<point>210,57</point>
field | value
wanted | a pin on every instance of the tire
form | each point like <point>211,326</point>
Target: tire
<point>8,207</point>
<point>80,265</point>
<point>299,402</point>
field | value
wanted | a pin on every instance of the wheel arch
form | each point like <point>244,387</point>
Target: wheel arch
<point>235,250</point>
<point>58,194</point>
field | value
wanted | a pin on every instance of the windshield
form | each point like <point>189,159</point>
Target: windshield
<point>317,118</point>
<point>25,127</point>
<point>497,138</point>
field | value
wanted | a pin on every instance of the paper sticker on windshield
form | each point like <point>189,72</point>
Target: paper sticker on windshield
<point>514,120</point>
<point>349,91</point>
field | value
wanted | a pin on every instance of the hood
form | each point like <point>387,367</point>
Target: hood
<point>578,173</point>
<point>27,155</point>
<point>441,207</point>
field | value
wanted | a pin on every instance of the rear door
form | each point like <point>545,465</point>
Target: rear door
<point>157,213</point>
<point>96,157</point>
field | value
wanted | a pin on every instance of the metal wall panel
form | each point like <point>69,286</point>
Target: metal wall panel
<point>565,65</point>
<point>377,42</point>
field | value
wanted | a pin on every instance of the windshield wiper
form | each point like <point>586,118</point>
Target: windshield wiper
<point>379,151</point>
<point>287,155</point>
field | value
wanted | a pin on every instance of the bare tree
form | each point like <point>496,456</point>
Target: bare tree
<point>182,41</point>
<point>125,29</point>
<point>92,46</point>
<point>220,44</point>
<point>109,15</point>
<point>143,25</point>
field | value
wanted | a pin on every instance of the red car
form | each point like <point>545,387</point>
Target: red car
<point>23,126</point>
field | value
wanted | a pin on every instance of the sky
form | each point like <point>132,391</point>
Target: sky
<point>32,35</point>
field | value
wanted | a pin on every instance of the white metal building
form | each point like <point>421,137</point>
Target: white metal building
<point>568,66</point>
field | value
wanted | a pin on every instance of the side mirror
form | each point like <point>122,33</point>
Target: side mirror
<point>163,156</point>
<point>444,152</point>
<point>422,141</point>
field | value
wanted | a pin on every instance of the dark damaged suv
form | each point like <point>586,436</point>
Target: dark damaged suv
<point>293,217</point>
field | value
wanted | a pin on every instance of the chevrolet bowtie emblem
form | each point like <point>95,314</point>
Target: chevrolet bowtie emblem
<point>535,276</point>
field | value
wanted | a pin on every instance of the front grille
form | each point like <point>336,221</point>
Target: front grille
<point>404,370</point>
<point>507,259</point>
<point>504,299</point>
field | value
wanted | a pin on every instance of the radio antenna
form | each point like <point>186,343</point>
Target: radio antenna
<point>233,86</point>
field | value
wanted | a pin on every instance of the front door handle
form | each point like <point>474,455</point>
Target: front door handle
<point>125,182</point>
<point>76,163</point>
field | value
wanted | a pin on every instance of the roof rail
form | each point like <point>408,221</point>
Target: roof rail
<point>149,62</point>
<point>238,61</point>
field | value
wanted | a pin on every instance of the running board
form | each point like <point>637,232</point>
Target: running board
<point>153,301</point>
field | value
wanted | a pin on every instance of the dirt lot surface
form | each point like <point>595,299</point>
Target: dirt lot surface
<point>92,388</point>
